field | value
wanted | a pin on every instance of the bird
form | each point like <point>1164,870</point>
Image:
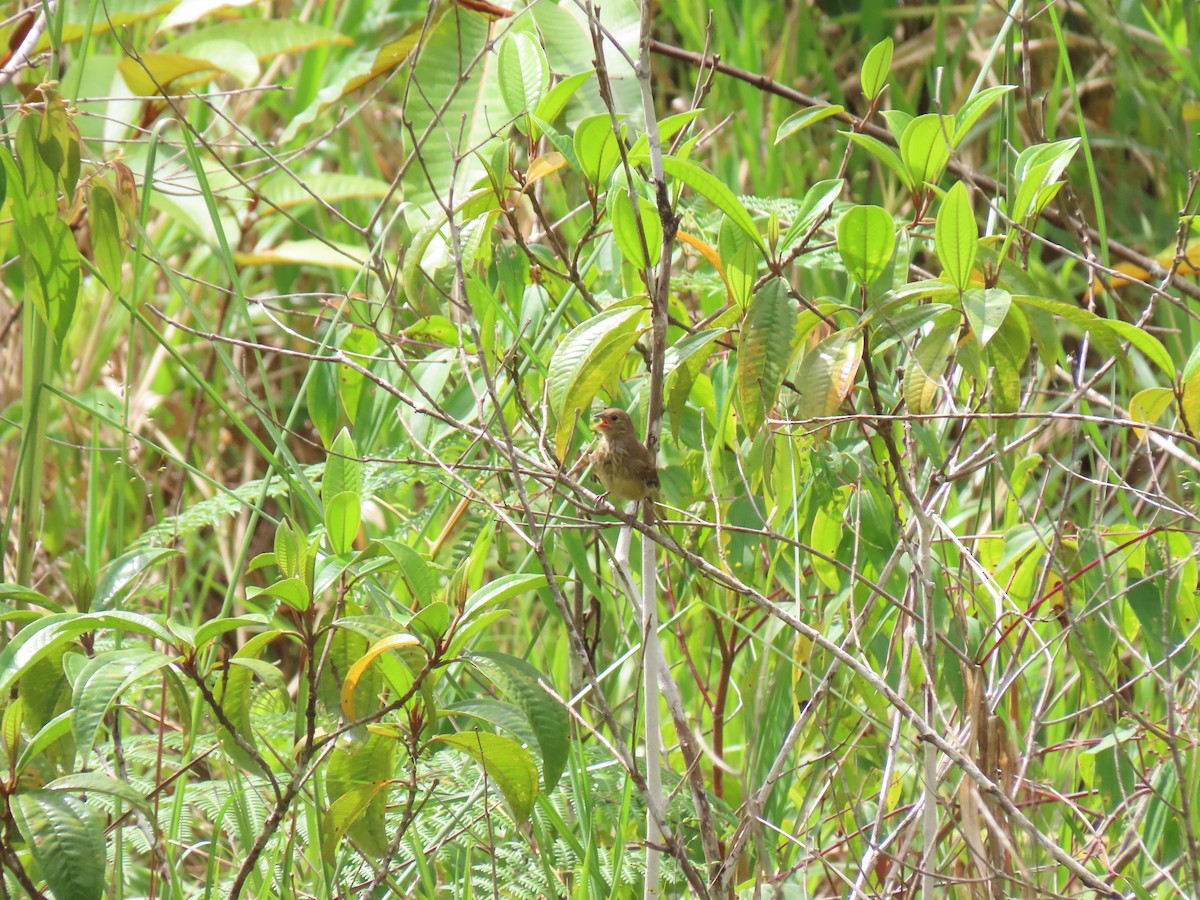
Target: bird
<point>626,468</point>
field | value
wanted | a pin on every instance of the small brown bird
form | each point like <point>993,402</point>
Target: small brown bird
<point>624,466</point>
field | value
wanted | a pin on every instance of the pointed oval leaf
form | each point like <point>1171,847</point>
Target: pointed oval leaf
<point>926,366</point>
<point>714,190</point>
<point>506,762</point>
<point>66,839</point>
<point>974,108</point>
<point>1147,407</point>
<point>876,65</point>
<point>956,237</point>
<point>986,311</point>
<point>522,684</point>
<point>826,374</point>
<point>524,73</point>
<point>817,201</point>
<point>597,148</point>
<point>866,237</point>
<point>925,147</point>
<point>797,122</point>
<point>343,516</point>
<point>586,358</point>
<point>635,242</point>
<point>764,351</point>
<point>739,259</point>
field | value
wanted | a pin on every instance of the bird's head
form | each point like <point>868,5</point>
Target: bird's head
<point>614,424</point>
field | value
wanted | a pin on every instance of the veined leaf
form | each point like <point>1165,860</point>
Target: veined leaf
<point>866,237</point>
<point>524,73</point>
<point>714,190</point>
<point>876,65</point>
<point>764,351</point>
<point>827,372</point>
<point>974,108</point>
<point>629,236</point>
<point>66,839</point>
<point>926,366</point>
<point>585,359</point>
<point>986,310</point>
<point>956,237</point>
<point>506,762</point>
<point>925,147</point>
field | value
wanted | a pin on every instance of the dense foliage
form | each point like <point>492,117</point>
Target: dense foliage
<point>308,590</point>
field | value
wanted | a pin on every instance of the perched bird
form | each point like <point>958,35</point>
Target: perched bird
<point>624,466</point>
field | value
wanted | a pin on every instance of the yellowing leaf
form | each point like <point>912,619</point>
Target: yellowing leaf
<point>392,642</point>
<point>546,164</point>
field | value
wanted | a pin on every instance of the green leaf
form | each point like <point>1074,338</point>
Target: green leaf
<point>52,731</point>
<point>1006,354</point>
<point>956,237</point>
<point>343,468</point>
<point>506,762</point>
<point>357,779</point>
<point>120,577</point>
<point>974,108</point>
<point>289,549</point>
<point>875,67</point>
<point>925,147</point>
<point>362,810</point>
<point>323,400</point>
<point>50,264</point>
<point>1147,406</point>
<point>521,683</point>
<point>555,100</point>
<point>926,366</point>
<point>986,311</point>
<point>524,73</point>
<point>826,374</point>
<point>292,591</point>
<point>816,203</point>
<point>105,226</point>
<point>343,516</point>
<point>764,351</point>
<point>714,190</point>
<point>421,580</point>
<point>1103,337</point>
<point>589,354</point>
<point>797,122</point>
<point>501,589</point>
<point>216,627</point>
<point>597,148</point>
<point>98,685</point>
<point>66,839</point>
<point>42,637</point>
<point>233,694</point>
<point>639,153</point>
<point>99,783</point>
<point>1150,346</point>
<point>739,258</point>
<point>629,236</point>
<point>885,155</point>
<point>1037,168</point>
<point>866,237</point>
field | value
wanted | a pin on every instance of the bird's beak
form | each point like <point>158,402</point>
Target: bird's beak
<point>600,423</point>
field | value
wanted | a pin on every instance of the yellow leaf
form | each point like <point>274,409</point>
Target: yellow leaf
<point>546,164</point>
<point>391,642</point>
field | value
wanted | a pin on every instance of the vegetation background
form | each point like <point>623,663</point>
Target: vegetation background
<point>306,309</point>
